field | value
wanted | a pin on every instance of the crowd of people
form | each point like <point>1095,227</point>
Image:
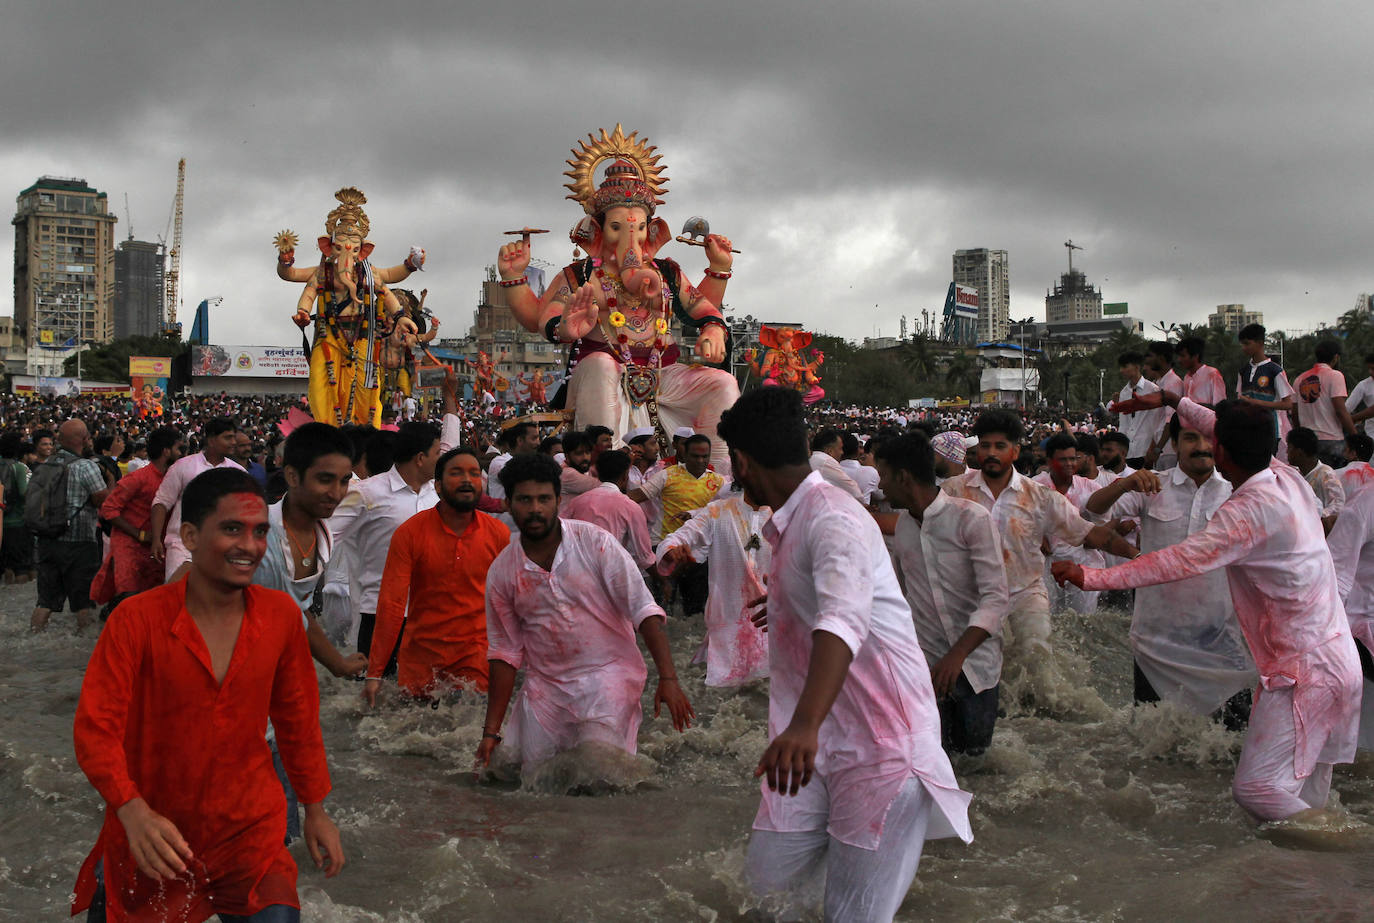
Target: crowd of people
<point>883,569</point>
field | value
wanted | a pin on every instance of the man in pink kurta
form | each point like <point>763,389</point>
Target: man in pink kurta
<point>1283,584</point>
<point>608,507</point>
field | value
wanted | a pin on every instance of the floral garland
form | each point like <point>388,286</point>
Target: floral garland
<point>617,337</point>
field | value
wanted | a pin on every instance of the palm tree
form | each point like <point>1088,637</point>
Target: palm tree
<point>917,358</point>
<point>963,374</point>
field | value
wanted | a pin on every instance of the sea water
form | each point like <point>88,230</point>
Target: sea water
<point>1085,808</point>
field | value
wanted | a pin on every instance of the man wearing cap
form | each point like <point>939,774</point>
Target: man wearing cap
<point>644,463</point>
<point>680,435</point>
<point>951,449</point>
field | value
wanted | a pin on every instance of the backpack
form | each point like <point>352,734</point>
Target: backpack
<point>9,476</point>
<point>45,507</point>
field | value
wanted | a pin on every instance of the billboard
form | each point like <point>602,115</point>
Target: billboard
<point>966,301</point>
<point>960,318</point>
<point>249,362</point>
<point>148,383</point>
<point>1116,307</point>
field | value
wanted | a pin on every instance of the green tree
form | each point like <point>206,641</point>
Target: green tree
<point>964,374</point>
<point>110,361</point>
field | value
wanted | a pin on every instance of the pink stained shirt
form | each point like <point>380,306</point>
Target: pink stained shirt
<point>1316,387</point>
<point>608,508</point>
<point>572,630</point>
<point>729,534</point>
<point>1079,493</point>
<point>831,572</point>
<point>1352,551</point>
<point>174,482</point>
<point>1287,600</point>
<point>1204,385</point>
<point>1026,513</point>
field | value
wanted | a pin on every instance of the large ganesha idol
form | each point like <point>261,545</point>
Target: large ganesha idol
<point>784,365</point>
<point>615,306</point>
<point>353,310</point>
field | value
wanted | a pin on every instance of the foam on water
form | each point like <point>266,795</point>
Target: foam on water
<point>1085,808</point>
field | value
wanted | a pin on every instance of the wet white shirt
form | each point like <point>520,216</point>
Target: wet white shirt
<point>363,523</point>
<point>865,477</point>
<point>1184,634</point>
<point>1352,551</point>
<point>1079,493</point>
<point>831,572</point>
<point>1141,427</point>
<point>1026,513</point>
<point>1327,488</point>
<point>572,630</point>
<point>830,469</point>
<point>1283,587</point>
<point>729,534</point>
<point>949,566</point>
<point>1360,396</point>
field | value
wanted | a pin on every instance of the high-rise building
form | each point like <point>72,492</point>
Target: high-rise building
<point>987,271</point>
<point>1233,317</point>
<point>1073,298</point>
<point>64,256</point>
<point>138,289</point>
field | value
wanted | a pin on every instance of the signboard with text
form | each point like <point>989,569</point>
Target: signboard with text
<point>249,362</point>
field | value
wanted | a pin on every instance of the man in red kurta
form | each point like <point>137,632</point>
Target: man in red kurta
<point>170,730</point>
<point>129,509</point>
<point>434,584</point>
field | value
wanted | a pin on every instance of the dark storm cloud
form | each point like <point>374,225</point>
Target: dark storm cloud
<point>1202,153</point>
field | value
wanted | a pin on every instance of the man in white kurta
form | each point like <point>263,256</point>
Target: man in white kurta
<point>1062,478</point>
<point>949,565</point>
<point>1352,551</point>
<point>850,698</point>
<point>728,534</point>
<point>1283,586</point>
<point>1186,642</point>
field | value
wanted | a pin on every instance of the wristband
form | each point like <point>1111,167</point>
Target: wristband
<point>551,329</point>
<point>713,274</point>
<point>514,283</point>
<point>712,319</point>
<point>496,737</point>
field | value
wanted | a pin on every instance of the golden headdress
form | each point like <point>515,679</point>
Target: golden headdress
<point>348,216</point>
<point>634,179</point>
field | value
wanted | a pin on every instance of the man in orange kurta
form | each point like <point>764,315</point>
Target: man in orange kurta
<point>171,723</point>
<point>434,584</point>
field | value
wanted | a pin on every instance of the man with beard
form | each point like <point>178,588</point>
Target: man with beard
<point>1113,449</point>
<point>577,456</point>
<point>1284,588</point>
<point>563,604</point>
<point>1186,641</point>
<point>1027,514</point>
<point>434,584</point>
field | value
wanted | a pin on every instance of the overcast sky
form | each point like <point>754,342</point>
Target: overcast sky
<point>1201,152</point>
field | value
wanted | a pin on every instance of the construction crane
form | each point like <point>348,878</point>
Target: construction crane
<point>1072,247</point>
<point>171,329</point>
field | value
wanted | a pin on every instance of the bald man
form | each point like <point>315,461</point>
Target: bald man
<point>68,562</point>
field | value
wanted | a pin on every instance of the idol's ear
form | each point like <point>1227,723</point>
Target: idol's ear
<point>658,235</point>
<point>365,250</point>
<point>326,245</point>
<point>768,337</point>
<point>801,339</point>
<point>587,235</point>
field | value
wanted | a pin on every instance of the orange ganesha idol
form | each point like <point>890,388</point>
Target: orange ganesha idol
<point>784,366</point>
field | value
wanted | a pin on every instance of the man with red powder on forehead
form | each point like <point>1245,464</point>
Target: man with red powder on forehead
<point>1283,584</point>
<point>170,730</point>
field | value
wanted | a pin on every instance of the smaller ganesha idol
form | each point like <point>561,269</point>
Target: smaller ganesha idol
<point>354,313</point>
<point>785,366</point>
